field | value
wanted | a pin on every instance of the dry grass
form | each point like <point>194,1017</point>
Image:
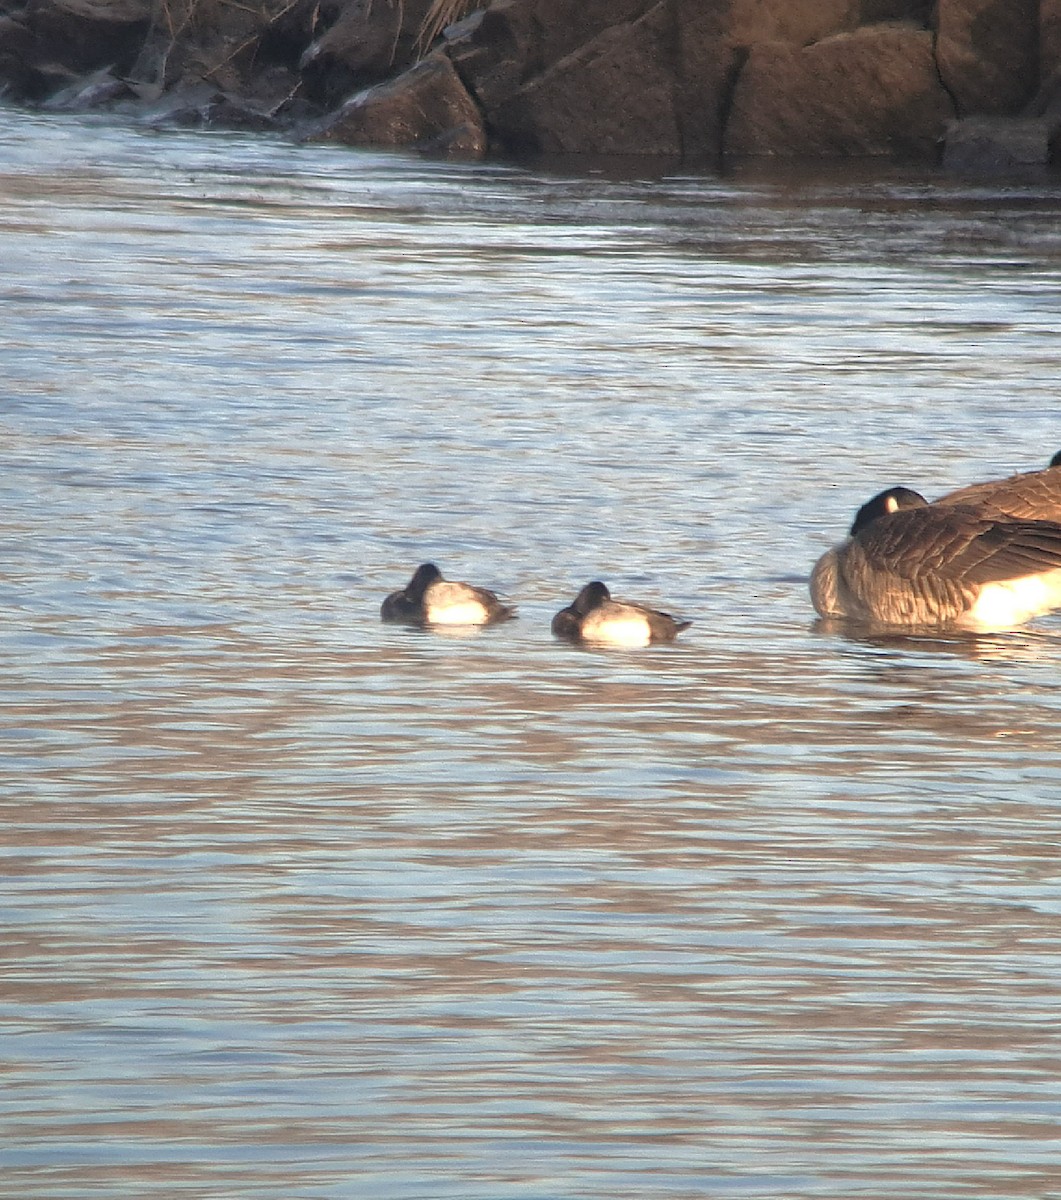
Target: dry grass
<point>439,15</point>
<point>193,25</point>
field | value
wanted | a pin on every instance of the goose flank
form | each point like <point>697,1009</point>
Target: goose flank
<point>911,564</point>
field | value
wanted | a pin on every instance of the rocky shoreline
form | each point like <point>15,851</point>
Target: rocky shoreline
<point>976,82</point>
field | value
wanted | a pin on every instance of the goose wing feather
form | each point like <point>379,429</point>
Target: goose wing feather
<point>960,545</point>
<point>1034,496</point>
<point>1010,550</point>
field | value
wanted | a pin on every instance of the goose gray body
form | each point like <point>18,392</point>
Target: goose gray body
<point>428,599</point>
<point>1030,496</point>
<point>911,564</point>
<point>593,616</point>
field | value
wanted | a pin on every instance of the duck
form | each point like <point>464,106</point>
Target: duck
<point>908,563</point>
<point>593,616</point>
<point>428,599</point>
<point>1031,495</point>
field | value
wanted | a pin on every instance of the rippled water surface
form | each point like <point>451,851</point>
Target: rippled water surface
<point>300,905</point>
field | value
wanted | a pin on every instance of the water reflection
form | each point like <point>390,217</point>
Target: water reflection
<point>297,902</point>
<point>1010,646</point>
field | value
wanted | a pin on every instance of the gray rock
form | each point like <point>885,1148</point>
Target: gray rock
<point>91,91</point>
<point>993,144</point>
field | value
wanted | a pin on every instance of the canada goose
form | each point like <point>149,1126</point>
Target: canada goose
<point>1029,496</point>
<point>910,563</point>
<point>593,616</point>
<point>428,599</point>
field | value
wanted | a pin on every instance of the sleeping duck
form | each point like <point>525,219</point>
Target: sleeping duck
<point>593,616</point>
<point>428,599</point>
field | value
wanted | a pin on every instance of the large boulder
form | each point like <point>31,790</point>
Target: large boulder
<point>800,21</point>
<point>712,41</point>
<point>874,91</point>
<point>624,76</point>
<point>426,108</point>
<point>682,78</point>
<point>613,96</point>
<point>367,42</point>
<point>705,66</point>
<point>987,52</point>
<point>83,35</point>
<point>518,40</point>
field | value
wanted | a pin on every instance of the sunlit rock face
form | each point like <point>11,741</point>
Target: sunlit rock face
<point>871,92</point>
<point>426,107</point>
<point>695,80</point>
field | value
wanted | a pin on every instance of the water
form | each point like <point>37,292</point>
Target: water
<point>300,905</point>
